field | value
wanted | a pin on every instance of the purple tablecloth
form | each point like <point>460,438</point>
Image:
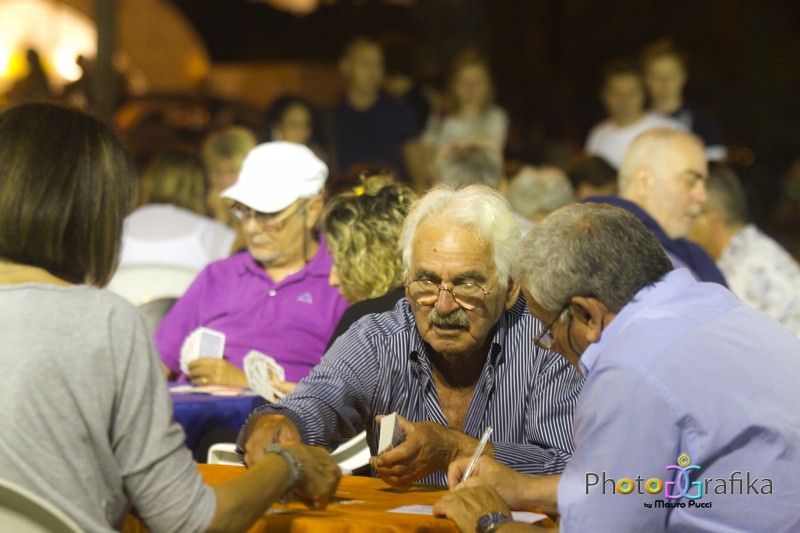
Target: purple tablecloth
<point>200,413</point>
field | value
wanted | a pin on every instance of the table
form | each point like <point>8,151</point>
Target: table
<point>360,507</point>
<point>199,414</point>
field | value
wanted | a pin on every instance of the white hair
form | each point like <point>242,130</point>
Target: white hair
<point>537,192</point>
<point>470,163</point>
<point>476,207</point>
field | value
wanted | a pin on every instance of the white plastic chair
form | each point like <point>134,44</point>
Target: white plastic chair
<point>22,511</point>
<point>223,453</point>
<point>349,456</point>
<point>140,284</point>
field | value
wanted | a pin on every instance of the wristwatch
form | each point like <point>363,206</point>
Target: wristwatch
<point>295,467</point>
<point>491,522</point>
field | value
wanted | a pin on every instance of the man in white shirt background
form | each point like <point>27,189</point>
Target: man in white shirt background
<point>758,270</point>
<point>623,96</point>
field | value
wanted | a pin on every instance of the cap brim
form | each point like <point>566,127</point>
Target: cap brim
<point>271,203</point>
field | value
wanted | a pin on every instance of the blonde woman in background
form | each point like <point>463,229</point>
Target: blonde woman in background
<point>361,228</point>
<point>170,226</point>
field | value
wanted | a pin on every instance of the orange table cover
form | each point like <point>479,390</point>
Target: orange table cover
<point>360,507</point>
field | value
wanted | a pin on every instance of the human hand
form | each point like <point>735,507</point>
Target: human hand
<point>427,447</point>
<point>508,483</point>
<point>320,476</point>
<point>466,505</point>
<point>285,387</point>
<point>214,371</point>
<point>266,430</point>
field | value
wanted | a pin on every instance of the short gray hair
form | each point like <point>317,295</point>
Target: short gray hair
<point>593,250</point>
<point>726,194</point>
<point>470,163</point>
<point>536,192</point>
<point>649,149</point>
<point>476,207</point>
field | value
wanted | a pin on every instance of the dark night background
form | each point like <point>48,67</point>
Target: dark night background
<point>547,55</point>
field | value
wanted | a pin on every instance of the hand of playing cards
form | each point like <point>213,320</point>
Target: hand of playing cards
<point>391,433</point>
<point>260,370</point>
<point>202,342</point>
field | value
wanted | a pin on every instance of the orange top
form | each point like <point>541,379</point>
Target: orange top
<point>360,506</point>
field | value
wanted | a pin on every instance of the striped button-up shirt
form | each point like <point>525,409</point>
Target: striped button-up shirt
<point>381,365</point>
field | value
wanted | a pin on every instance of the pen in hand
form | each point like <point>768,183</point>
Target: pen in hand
<point>477,454</point>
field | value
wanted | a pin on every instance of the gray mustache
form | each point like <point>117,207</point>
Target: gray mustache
<point>456,320</point>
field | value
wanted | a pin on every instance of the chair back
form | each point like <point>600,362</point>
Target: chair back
<point>22,511</point>
<point>153,311</point>
<point>223,453</point>
<point>140,284</point>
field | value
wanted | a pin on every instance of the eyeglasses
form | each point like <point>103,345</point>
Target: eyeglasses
<point>545,338</point>
<point>266,221</point>
<point>467,295</point>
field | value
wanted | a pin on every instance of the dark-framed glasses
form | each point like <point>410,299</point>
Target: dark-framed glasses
<point>545,338</point>
<point>274,222</point>
<point>467,295</point>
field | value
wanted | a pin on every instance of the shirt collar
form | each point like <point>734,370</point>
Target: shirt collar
<point>672,283</point>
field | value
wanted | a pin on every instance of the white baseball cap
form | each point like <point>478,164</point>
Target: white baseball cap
<point>275,174</point>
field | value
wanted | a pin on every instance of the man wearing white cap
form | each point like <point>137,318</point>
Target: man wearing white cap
<point>275,297</point>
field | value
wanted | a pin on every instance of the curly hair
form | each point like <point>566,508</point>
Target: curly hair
<point>362,229</point>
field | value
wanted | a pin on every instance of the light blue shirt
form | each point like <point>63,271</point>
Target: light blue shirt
<point>687,368</point>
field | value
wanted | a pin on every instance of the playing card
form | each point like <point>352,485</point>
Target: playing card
<point>391,433</point>
<point>260,369</point>
<point>202,342</point>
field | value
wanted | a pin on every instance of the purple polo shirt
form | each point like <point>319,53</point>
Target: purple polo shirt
<point>291,321</point>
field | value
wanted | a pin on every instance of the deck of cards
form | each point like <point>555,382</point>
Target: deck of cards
<point>202,342</point>
<point>391,433</point>
<point>260,370</point>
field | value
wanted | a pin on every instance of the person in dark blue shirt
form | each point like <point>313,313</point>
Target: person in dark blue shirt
<point>367,127</point>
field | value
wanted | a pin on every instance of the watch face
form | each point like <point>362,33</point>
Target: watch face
<point>489,522</point>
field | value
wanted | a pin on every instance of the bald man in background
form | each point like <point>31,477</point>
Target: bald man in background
<point>662,181</point>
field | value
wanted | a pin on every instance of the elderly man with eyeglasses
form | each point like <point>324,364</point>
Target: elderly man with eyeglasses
<point>453,358</point>
<point>688,419</point>
<point>274,297</point>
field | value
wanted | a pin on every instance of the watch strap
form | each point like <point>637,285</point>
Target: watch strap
<point>491,522</point>
<point>295,467</point>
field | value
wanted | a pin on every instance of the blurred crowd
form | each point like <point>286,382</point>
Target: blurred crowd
<point>372,252</point>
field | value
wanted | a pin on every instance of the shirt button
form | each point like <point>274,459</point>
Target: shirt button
<point>272,292</point>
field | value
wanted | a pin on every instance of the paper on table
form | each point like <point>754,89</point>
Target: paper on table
<point>519,516</point>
